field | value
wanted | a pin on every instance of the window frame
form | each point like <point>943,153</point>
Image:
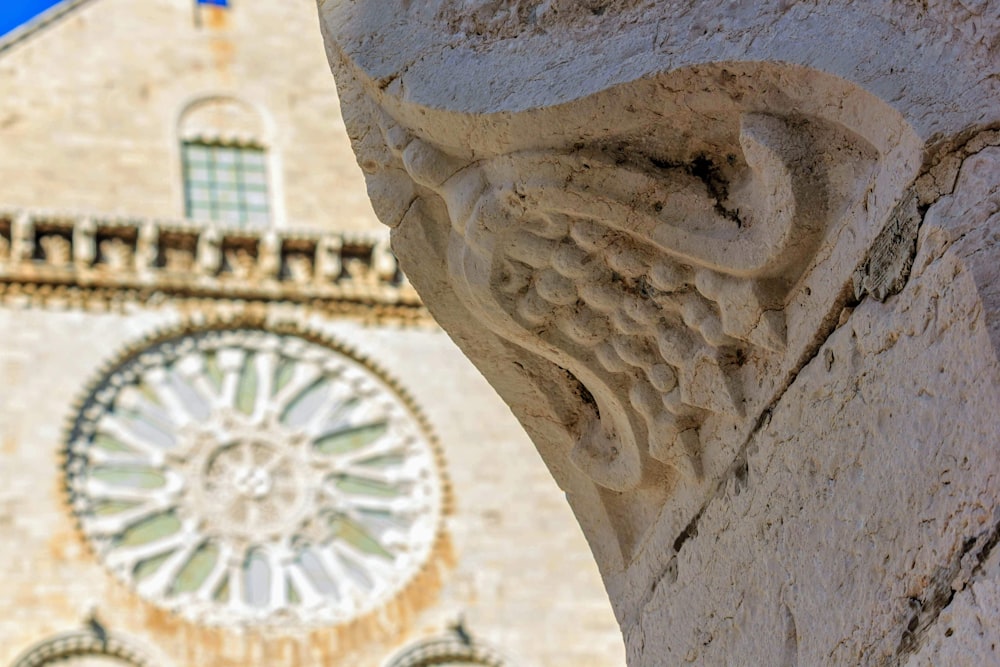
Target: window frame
<point>220,181</point>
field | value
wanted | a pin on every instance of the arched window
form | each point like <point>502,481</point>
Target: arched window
<point>449,651</point>
<point>83,649</point>
<point>224,163</point>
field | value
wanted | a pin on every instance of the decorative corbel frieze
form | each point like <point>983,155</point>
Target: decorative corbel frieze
<point>182,258</point>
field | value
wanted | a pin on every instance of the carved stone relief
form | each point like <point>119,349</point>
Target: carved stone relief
<point>660,282</point>
<point>116,254</point>
<point>56,249</point>
<point>661,288</point>
<point>641,221</point>
<point>300,267</point>
<point>240,262</point>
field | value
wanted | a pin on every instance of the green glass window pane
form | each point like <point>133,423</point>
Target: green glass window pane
<point>196,152</point>
<point>226,184</point>
<point>229,215</point>
<point>195,206</point>
<point>153,528</point>
<point>135,476</point>
<point>228,198</point>
<point>226,157</point>
<point>112,507</point>
<point>258,218</point>
<point>246,390</point>
<point>222,592</point>
<point>111,444</point>
<point>351,438</point>
<point>252,158</point>
<point>213,371</point>
<point>366,487</point>
<point>197,569</point>
<point>149,566</point>
<point>357,536</point>
<point>226,176</point>
<point>197,173</point>
<point>258,178</point>
<point>255,199</point>
<point>199,193</point>
<point>387,461</point>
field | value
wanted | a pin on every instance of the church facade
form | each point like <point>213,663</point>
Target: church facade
<point>230,432</point>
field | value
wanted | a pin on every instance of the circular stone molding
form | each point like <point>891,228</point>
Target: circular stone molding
<point>250,476</point>
<point>448,651</point>
<point>81,649</point>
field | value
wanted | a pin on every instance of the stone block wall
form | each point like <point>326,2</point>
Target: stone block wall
<point>517,569</point>
<point>128,72</point>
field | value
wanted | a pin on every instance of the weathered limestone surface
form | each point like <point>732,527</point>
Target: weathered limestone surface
<point>868,497</point>
<point>734,269</point>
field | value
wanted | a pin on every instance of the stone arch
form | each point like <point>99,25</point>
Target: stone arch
<point>229,171</point>
<point>447,651</point>
<point>223,119</point>
<point>67,646</point>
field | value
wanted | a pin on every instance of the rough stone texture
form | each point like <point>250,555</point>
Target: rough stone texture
<point>663,231</point>
<point>879,463</point>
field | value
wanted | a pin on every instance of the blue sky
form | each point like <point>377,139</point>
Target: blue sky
<point>15,12</point>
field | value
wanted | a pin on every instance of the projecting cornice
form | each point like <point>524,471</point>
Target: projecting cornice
<point>62,257</point>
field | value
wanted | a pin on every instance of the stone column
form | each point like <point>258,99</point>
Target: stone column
<point>734,267</point>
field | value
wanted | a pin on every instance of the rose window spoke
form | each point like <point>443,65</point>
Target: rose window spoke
<point>245,476</point>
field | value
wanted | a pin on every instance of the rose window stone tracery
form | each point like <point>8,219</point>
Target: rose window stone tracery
<point>246,476</point>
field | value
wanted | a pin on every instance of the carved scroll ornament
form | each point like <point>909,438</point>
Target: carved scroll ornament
<point>652,284</point>
<point>640,272</point>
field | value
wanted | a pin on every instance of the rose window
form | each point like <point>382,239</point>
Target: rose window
<point>246,476</point>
